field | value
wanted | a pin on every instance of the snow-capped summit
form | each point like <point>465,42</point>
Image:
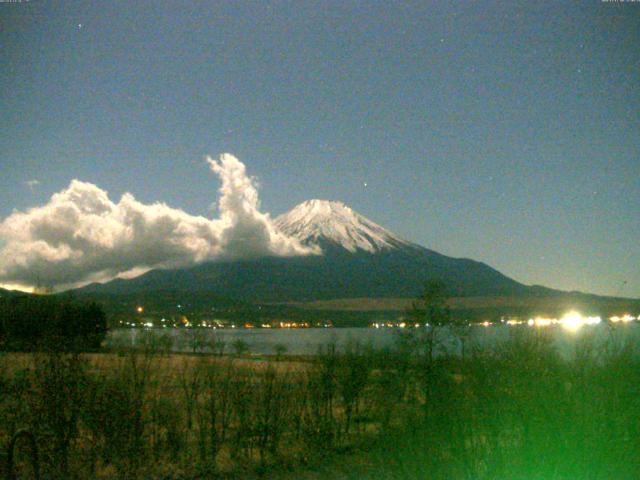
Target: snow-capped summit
<point>322,222</point>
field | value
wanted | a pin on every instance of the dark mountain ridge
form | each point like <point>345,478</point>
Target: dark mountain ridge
<point>359,259</point>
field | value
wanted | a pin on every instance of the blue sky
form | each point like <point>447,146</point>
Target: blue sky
<point>504,133</point>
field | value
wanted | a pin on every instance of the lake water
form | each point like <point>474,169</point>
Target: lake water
<point>308,341</point>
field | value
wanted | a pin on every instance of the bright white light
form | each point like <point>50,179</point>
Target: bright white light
<point>573,321</point>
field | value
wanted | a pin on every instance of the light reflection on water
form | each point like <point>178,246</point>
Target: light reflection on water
<point>308,341</point>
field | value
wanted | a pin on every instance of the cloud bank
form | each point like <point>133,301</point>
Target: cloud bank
<point>81,235</point>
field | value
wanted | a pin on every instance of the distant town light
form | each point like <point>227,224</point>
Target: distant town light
<point>542,322</point>
<point>140,309</point>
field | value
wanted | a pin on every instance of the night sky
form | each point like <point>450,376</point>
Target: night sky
<point>506,133</point>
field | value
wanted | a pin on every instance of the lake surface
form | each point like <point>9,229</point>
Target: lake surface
<point>308,341</point>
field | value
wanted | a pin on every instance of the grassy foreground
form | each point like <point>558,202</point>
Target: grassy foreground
<point>519,411</point>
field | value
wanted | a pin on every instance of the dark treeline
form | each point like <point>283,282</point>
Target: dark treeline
<point>35,322</point>
<point>517,411</point>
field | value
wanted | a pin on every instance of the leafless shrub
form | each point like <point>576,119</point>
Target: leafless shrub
<point>319,423</point>
<point>60,381</point>
<point>214,411</point>
<point>270,404</point>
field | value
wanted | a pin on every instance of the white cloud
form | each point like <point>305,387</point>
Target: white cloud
<point>81,235</point>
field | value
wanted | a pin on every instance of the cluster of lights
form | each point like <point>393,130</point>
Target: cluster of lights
<point>541,322</point>
<point>294,325</point>
<point>624,318</point>
<point>514,322</point>
<point>574,320</point>
<point>215,324</point>
<point>571,321</point>
<point>395,325</point>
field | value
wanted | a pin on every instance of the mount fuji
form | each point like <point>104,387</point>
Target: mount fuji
<point>357,258</point>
